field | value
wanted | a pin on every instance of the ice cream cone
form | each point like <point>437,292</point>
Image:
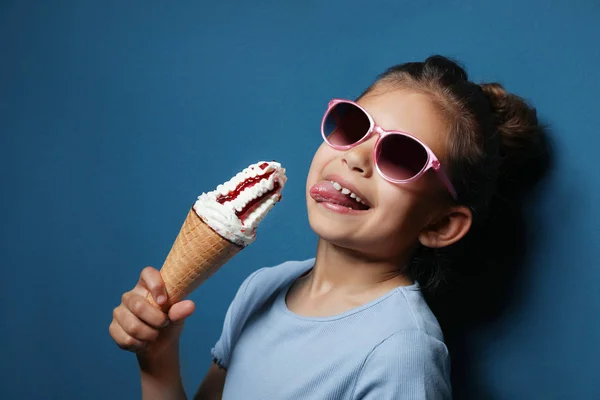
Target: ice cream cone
<point>220,224</point>
<point>197,253</point>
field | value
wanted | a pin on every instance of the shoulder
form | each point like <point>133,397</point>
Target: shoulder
<point>272,278</point>
<point>254,292</point>
<point>418,316</point>
<point>405,309</point>
<point>414,344</point>
<point>264,283</point>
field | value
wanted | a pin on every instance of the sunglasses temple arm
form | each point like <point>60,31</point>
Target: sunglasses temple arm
<point>446,182</point>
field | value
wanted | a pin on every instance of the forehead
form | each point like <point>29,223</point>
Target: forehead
<point>408,111</point>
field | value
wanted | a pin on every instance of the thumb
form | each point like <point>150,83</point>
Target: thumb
<point>180,311</point>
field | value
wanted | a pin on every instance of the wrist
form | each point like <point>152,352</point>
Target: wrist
<point>165,366</point>
<point>161,377</point>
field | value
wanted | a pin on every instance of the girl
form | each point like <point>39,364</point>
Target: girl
<point>406,169</point>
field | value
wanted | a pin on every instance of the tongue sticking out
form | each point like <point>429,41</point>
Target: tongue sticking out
<point>325,192</point>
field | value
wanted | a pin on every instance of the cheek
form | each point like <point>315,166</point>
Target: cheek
<point>322,157</point>
<point>402,209</point>
<point>421,190</point>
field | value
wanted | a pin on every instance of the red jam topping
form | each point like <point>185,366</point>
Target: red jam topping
<point>244,185</point>
<point>241,186</point>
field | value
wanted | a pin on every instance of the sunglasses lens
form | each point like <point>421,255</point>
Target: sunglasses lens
<point>345,124</point>
<point>400,157</point>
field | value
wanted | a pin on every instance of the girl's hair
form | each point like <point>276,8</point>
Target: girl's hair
<point>492,133</point>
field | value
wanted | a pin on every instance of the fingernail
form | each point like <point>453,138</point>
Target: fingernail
<point>161,299</point>
<point>165,323</point>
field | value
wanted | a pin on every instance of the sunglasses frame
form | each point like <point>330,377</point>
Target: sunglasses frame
<point>432,161</point>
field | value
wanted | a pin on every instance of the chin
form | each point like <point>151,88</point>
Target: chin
<point>331,231</point>
<point>342,234</point>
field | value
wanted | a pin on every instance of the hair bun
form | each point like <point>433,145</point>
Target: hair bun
<point>515,120</point>
<point>522,141</point>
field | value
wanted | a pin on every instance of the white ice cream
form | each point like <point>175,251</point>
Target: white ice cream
<point>222,218</point>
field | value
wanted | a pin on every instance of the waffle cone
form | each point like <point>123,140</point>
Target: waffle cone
<point>197,253</point>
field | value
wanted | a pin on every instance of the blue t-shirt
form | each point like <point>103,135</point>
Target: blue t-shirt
<point>390,348</point>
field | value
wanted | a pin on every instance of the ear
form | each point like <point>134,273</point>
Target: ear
<point>447,228</point>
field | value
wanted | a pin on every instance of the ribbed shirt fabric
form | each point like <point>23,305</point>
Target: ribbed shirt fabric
<point>390,348</point>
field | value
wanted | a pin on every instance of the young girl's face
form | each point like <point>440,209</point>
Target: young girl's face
<point>396,213</point>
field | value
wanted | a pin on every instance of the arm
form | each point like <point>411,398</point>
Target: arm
<point>143,329</point>
<point>167,386</point>
<point>159,371</point>
<point>407,365</point>
<point>211,387</point>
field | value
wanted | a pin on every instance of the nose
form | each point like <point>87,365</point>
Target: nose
<point>360,158</point>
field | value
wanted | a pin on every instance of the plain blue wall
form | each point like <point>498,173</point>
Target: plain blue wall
<point>115,115</point>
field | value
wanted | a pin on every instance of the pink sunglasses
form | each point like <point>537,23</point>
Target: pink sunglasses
<point>399,157</point>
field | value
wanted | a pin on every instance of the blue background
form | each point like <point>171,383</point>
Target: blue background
<point>115,115</point>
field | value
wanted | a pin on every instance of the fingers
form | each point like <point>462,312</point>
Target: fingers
<point>143,311</point>
<point>123,339</point>
<point>132,333</point>
<point>151,280</point>
<point>133,326</point>
<point>137,321</point>
<point>181,310</point>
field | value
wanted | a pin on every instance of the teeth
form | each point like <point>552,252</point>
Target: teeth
<point>345,191</point>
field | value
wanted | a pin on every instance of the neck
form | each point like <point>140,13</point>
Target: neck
<point>337,268</point>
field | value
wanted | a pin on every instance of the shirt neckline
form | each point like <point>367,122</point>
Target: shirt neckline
<point>282,305</point>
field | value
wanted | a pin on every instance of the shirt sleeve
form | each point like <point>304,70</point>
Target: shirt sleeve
<point>409,365</point>
<point>234,320</point>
